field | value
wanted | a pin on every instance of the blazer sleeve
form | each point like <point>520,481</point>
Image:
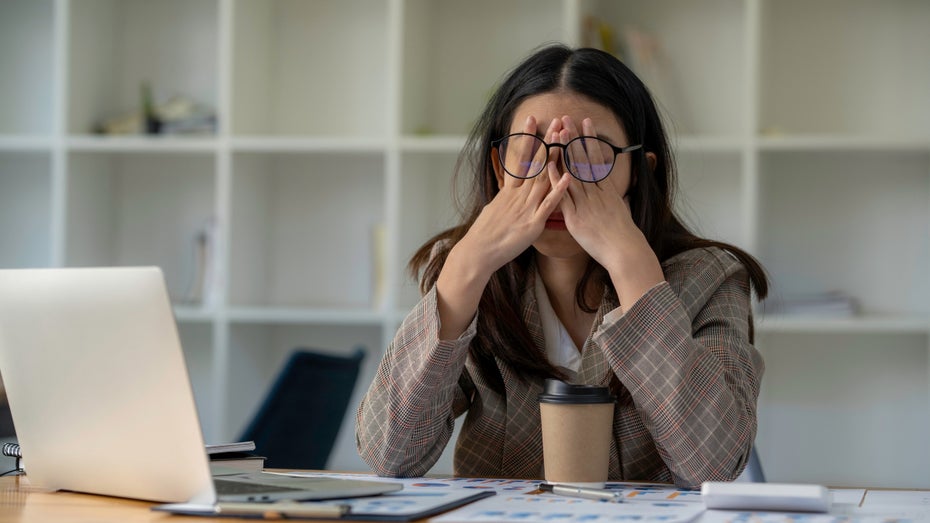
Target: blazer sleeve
<point>684,353</point>
<point>408,414</point>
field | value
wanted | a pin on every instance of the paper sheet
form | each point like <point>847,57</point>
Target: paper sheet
<point>896,498</point>
<point>735,516</point>
<point>851,497</point>
<point>521,501</point>
<point>550,508</point>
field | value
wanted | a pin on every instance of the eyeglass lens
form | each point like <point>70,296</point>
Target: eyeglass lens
<point>588,159</point>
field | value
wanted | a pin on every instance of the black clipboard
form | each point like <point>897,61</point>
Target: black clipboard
<point>355,509</point>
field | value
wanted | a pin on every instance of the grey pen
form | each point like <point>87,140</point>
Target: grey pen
<point>598,494</point>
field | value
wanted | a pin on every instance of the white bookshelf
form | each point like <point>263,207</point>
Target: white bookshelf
<point>802,135</point>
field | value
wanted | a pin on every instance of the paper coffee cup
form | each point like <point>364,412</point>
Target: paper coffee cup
<point>577,426</point>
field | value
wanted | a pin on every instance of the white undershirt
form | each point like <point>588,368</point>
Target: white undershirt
<point>560,349</point>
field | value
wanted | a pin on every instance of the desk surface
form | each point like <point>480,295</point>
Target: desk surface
<point>21,502</point>
<point>27,504</point>
<point>24,503</point>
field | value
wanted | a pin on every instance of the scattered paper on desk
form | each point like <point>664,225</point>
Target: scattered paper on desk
<point>877,506</point>
<point>735,516</point>
<point>521,500</point>
<point>630,491</point>
<point>548,508</point>
<point>641,492</point>
<point>847,496</point>
<point>896,498</point>
<point>551,508</point>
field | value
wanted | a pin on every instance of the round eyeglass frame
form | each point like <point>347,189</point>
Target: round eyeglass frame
<point>564,147</point>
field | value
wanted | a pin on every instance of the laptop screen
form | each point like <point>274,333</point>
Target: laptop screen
<point>98,385</point>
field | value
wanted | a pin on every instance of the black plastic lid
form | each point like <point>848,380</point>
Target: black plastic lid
<point>560,392</point>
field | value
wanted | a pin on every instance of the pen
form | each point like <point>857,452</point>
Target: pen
<point>598,494</point>
<point>282,509</point>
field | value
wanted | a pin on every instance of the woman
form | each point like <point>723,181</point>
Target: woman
<point>570,263</point>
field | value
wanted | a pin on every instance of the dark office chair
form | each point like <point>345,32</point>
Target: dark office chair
<point>298,421</point>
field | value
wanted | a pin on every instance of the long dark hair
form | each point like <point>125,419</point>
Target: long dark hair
<point>604,79</point>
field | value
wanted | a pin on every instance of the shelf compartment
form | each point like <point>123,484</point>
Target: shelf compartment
<point>426,208</point>
<point>710,199</point>
<point>25,210</point>
<point>257,353</point>
<point>27,65</point>
<point>294,243</point>
<point>864,214</point>
<point>292,59</point>
<point>197,341</point>
<point>861,73</point>
<point>696,96</point>
<point>455,53</point>
<point>828,400</point>
<point>141,209</point>
<point>117,45</point>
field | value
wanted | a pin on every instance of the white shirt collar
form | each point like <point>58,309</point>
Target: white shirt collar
<point>560,349</point>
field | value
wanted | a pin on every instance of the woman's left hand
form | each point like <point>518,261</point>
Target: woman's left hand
<point>598,217</point>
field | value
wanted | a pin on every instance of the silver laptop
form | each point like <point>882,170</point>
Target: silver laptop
<point>101,398</point>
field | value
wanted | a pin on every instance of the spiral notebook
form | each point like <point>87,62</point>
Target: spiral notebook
<point>97,353</point>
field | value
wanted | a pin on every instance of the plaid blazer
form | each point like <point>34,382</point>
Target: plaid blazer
<point>686,413</point>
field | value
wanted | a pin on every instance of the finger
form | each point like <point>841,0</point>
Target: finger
<point>575,190</point>
<point>552,171</point>
<point>540,186</point>
<point>556,176</point>
<point>568,123</point>
<point>554,126</point>
<point>576,160</point>
<point>557,196</point>
<point>599,162</point>
<point>537,161</point>
<point>579,155</point>
<point>529,126</point>
<point>551,136</point>
<point>519,154</point>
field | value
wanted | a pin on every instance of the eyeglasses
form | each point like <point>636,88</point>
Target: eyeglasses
<point>587,158</point>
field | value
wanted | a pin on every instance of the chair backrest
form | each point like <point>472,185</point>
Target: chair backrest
<point>297,423</point>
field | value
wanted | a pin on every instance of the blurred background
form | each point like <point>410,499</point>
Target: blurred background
<point>281,160</point>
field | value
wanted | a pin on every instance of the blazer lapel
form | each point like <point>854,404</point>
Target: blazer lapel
<point>522,456</point>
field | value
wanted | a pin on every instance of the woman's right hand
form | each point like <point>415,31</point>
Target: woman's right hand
<point>517,215</point>
<point>507,226</point>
